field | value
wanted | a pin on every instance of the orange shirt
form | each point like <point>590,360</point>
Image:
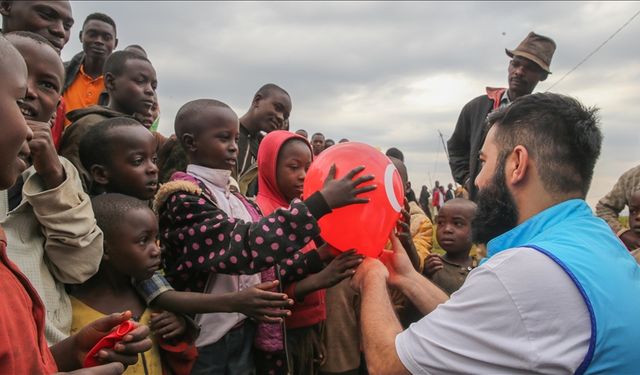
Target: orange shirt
<point>83,92</point>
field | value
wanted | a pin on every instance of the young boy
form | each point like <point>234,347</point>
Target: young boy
<point>120,156</point>
<point>454,236</point>
<point>84,82</point>
<point>130,252</point>
<point>207,226</point>
<point>25,350</point>
<point>46,216</point>
<point>131,82</point>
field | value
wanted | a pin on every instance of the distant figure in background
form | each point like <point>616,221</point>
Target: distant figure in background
<point>423,200</point>
<point>343,140</point>
<point>303,133</point>
<point>395,153</point>
<point>609,207</point>
<point>437,198</point>
<point>450,194</point>
<point>317,143</point>
<point>328,143</point>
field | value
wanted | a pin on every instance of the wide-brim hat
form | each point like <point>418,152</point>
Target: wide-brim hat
<point>537,48</point>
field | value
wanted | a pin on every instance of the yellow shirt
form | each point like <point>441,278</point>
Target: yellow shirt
<point>82,93</point>
<point>83,315</point>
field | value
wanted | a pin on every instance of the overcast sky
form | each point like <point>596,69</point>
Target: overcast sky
<point>385,73</point>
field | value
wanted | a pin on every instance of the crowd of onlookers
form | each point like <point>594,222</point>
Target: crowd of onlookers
<point>195,253</point>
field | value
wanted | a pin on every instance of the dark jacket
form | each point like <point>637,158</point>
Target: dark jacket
<point>71,71</point>
<point>81,121</point>
<point>467,138</point>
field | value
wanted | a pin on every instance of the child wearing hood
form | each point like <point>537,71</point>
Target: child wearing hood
<point>283,160</point>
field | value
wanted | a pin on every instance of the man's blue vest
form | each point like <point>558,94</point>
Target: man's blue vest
<point>602,269</point>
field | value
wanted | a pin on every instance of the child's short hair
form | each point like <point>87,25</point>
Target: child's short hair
<point>189,113</point>
<point>116,61</point>
<point>268,89</point>
<point>111,208</point>
<point>95,146</point>
<point>100,17</point>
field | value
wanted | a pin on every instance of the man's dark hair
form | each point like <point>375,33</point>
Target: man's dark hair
<point>268,89</point>
<point>395,153</point>
<point>116,61</point>
<point>314,134</point>
<point>110,209</point>
<point>560,134</point>
<point>95,146</point>
<point>100,17</point>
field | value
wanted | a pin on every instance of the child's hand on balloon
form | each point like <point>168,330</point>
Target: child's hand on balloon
<point>345,191</point>
<point>342,267</point>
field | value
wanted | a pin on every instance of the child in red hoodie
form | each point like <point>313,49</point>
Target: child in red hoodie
<point>283,160</point>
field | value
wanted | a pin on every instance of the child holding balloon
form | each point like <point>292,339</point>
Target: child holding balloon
<point>283,159</point>
<point>212,234</point>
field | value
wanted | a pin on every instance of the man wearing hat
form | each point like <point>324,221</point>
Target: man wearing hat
<point>529,65</point>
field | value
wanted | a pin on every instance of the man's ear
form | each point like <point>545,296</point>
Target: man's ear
<point>5,8</point>
<point>517,165</point>
<point>109,82</point>
<point>116,44</point>
<point>189,142</point>
<point>80,36</point>
<point>99,174</point>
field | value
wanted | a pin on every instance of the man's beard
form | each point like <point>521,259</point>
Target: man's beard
<point>497,212</point>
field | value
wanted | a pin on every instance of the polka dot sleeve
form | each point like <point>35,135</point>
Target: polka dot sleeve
<point>200,238</point>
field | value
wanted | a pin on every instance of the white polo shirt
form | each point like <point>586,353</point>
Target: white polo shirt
<point>517,313</point>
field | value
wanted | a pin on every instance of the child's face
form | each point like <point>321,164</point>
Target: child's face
<point>134,251</point>
<point>46,75</point>
<point>14,129</point>
<point>293,162</point>
<point>134,90</point>
<point>51,19</point>
<point>317,142</point>
<point>132,170</point>
<point>216,145</point>
<point>272,111</point>
<point>454,229</point>
<point>98,39</point>
<point>634,212</point>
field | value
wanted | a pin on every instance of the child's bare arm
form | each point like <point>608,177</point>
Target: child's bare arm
<point>257,302</point>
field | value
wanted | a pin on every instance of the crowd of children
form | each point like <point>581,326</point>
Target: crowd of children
<point>202,237</point>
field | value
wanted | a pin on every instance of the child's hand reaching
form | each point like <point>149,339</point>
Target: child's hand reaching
<point>345,191</point>
<point>261,304</point>
<point>404,235</point>
<point>341,267</point>
<point>432,264</point>
<point>167,325</point>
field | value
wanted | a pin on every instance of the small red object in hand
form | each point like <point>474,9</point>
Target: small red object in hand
<point>108,342</point>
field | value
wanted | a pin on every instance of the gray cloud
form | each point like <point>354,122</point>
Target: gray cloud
<point>385,73</point>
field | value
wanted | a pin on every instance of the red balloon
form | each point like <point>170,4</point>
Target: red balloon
<point>364,227</point>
